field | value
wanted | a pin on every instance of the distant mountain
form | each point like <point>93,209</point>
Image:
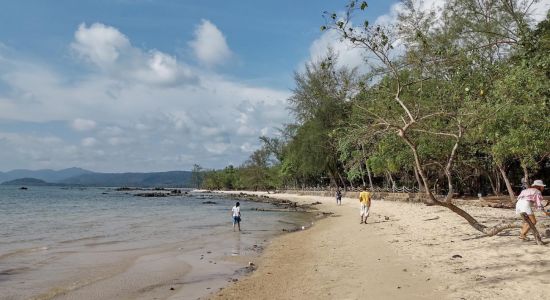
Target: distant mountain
<point>27,182</point>
<point>45,174</point>
<point>156,179</point>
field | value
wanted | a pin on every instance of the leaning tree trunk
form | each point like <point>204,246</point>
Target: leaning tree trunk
<point>362,174</point>
<point>497,183</point>
<point>370,176</point>
<point>392,183</point>
<point>342,181</point>
<point>420,187</point>
<point>489,231</point>
<point>367,166</point>
<point>507,182</point>
<point>494,182</point>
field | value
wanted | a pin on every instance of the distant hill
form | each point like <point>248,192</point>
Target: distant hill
<point>156,179</point>
<point>27,182</point>
<point>45,174</point>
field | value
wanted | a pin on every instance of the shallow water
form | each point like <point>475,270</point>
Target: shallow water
<point>74,242</point>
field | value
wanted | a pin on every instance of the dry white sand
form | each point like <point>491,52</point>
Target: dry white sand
<point>409,256</point>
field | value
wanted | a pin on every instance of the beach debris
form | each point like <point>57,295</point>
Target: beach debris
<point>431,219</point>
<point>172,289</point>
<point>316,203</point>
<point>479,277</point>
<point>398,287</point>
<point>208,252</point>
<point>456,256</point>
<point>404,270</point>
<point>386,218</point>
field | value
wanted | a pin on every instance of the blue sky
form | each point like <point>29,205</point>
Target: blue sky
<point>143,85</point>
<point>269,38</point>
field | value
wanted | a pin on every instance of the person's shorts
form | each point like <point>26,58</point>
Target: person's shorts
<point>524,206</point>
<point>236,219</point>
<point>364,210</point>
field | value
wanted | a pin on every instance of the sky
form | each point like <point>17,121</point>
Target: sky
<point>144,85</point>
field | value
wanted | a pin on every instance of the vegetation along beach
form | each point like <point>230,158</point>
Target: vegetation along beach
<point>275,150</point>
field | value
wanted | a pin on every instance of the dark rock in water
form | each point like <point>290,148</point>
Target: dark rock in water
<point>209,202</point>
<point>316,203</point>
<point>23,188</point>
<point>154,194</point>
<point>124,188</point>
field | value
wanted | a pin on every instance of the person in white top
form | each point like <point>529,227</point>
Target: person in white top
<point>236,213</point>
<point>526,200</point>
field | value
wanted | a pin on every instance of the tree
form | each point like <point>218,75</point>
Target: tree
<point>197,176</point>
<point>320,103</point>
<point>430,95</point>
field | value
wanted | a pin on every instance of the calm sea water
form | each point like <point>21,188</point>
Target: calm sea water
<point>43,227</point>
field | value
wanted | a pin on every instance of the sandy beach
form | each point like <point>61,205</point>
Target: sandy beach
<point>407,251</point>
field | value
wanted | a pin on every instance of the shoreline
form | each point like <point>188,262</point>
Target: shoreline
<point>420,252</point>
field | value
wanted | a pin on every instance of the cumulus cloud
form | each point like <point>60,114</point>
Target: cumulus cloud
<point>111,51</point>
<point>99,44</point>
<point>83,124</point>
<point>209,45</point>
<point>134,110</point>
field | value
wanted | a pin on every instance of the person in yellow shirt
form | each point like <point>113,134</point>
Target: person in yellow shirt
<point>365,200</point>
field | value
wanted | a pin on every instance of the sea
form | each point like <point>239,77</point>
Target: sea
<point>102,243</point>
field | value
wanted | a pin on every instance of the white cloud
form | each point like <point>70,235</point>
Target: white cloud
<point>83,124</point>
<point>216,148</point>
<point>247,147</point>
<point>209,45</point>
<point>111,51</point>
<point>353,57</point>
<point>348,55</point>
<point>88,142</point>
<point>540,9</point>
<point>99,44</point>
<point>134,110</point>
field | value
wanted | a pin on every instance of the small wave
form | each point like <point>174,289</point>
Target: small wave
<point>23,251</point>
<point>14,271</point>
<point>95,237</point>
<point>103,243</point>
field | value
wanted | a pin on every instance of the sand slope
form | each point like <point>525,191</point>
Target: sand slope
<point>409,256</point>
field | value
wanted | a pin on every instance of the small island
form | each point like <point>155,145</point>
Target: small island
<point>28,182</point>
